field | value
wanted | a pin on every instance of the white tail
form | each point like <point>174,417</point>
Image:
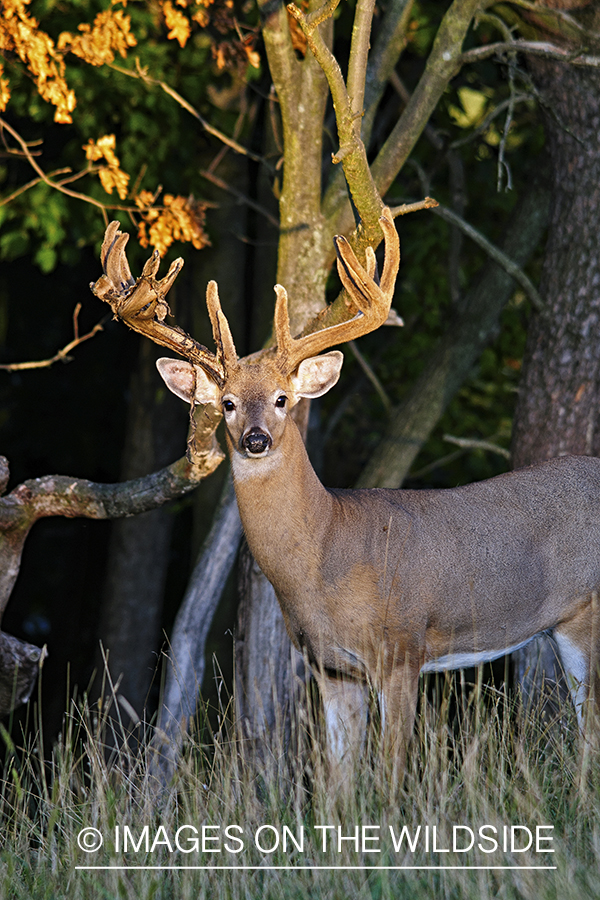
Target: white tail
<point>378,586</point>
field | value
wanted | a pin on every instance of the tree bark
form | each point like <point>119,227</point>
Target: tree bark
<point>188,641</point>
<point>57,495</point>
<point>558,410</point>
<point>412,422</point>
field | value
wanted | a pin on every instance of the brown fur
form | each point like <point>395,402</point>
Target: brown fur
<point>376,585</point>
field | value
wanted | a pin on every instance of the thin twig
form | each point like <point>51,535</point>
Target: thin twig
<point>30,184</point>
<point>57,185</point>
<point>495,112</point>
<point>142,74</point>
<point>559,14</point>
<point>236,131</point>
<point>371,376</point>
<point>210,176</point>
<point>496,254</point>
<point>536,48</point>
<point>405,208</point>
<point>62,355</point>
<point>474,444</point>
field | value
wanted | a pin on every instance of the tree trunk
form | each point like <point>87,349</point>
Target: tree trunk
<point>139,547</point>
<point>413,420</point>
<point>558,410</point>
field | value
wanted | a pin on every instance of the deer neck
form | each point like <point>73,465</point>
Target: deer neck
<point>284,508</point>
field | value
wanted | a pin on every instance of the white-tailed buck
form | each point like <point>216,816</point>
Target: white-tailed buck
<point>377,586</point>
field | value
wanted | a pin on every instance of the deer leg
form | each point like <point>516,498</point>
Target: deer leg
<point>398,704</point>
<point>345,705</point>
<point>578,643</point>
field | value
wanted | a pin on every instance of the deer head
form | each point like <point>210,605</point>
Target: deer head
<point>257,392</point>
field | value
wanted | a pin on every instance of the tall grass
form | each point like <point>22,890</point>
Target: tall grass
<point>485,764</point>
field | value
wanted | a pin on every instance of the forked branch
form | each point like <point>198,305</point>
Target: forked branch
<point>348,115</point>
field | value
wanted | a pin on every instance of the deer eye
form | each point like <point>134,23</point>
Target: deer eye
<point>228,405</point>
<point>281,401</point>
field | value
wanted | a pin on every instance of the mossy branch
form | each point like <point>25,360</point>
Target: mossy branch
<point>351,153</point>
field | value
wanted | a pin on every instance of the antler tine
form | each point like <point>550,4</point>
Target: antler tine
<point>392,253</point>
<point>226,351</point>
<point>373,300</point>
<point>141,302</point>
<point>281,321</point>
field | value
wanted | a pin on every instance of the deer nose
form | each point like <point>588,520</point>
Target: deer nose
<point>256,441</point>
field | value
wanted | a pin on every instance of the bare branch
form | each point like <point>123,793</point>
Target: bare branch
<point>30,184</point>
<point>142,74</point>
<point>559,16</point>
<point>352,151</point>
<point>57,185</point>
<point>359,53</point>
<point>58,495</point>
<point>61,355</point>
<point>243,198</point>
<point>474,444</point>
<point>405,208</point>
<point>389,44</point>
<point>496,254</point>
<point>544,49</point>
<point>444,61</point>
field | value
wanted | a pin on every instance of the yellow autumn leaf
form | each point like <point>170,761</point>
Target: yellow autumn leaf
<point>144,200</point>
<point>98,44</point>
<point>178,24</point>
<point>180,219</point>
<point>201,17</point>
<point>111,176</point>
<point>253,57</point>
<point>473,107</point>
<point>20,34</point>
<point>103,148</point>
<point>4,93</point>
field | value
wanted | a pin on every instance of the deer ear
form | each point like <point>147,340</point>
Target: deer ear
<point>187,381</point>
<point>317,374</point>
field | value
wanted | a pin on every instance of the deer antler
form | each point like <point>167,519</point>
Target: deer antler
<point>141,304</point>
<point>373,301</point>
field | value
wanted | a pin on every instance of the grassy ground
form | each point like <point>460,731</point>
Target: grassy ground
<point>492,777</point>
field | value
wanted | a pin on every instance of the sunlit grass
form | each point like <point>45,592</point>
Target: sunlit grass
<point>476,760</point>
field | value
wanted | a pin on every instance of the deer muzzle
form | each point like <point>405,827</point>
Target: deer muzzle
<point>256,442</point>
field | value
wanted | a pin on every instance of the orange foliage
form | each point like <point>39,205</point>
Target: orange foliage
<point>97,45</point>
<point>179,25</point>
<point>111,175</point>
<point>4,90</point>
<point>19,33</point>
<point>180,219</point>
